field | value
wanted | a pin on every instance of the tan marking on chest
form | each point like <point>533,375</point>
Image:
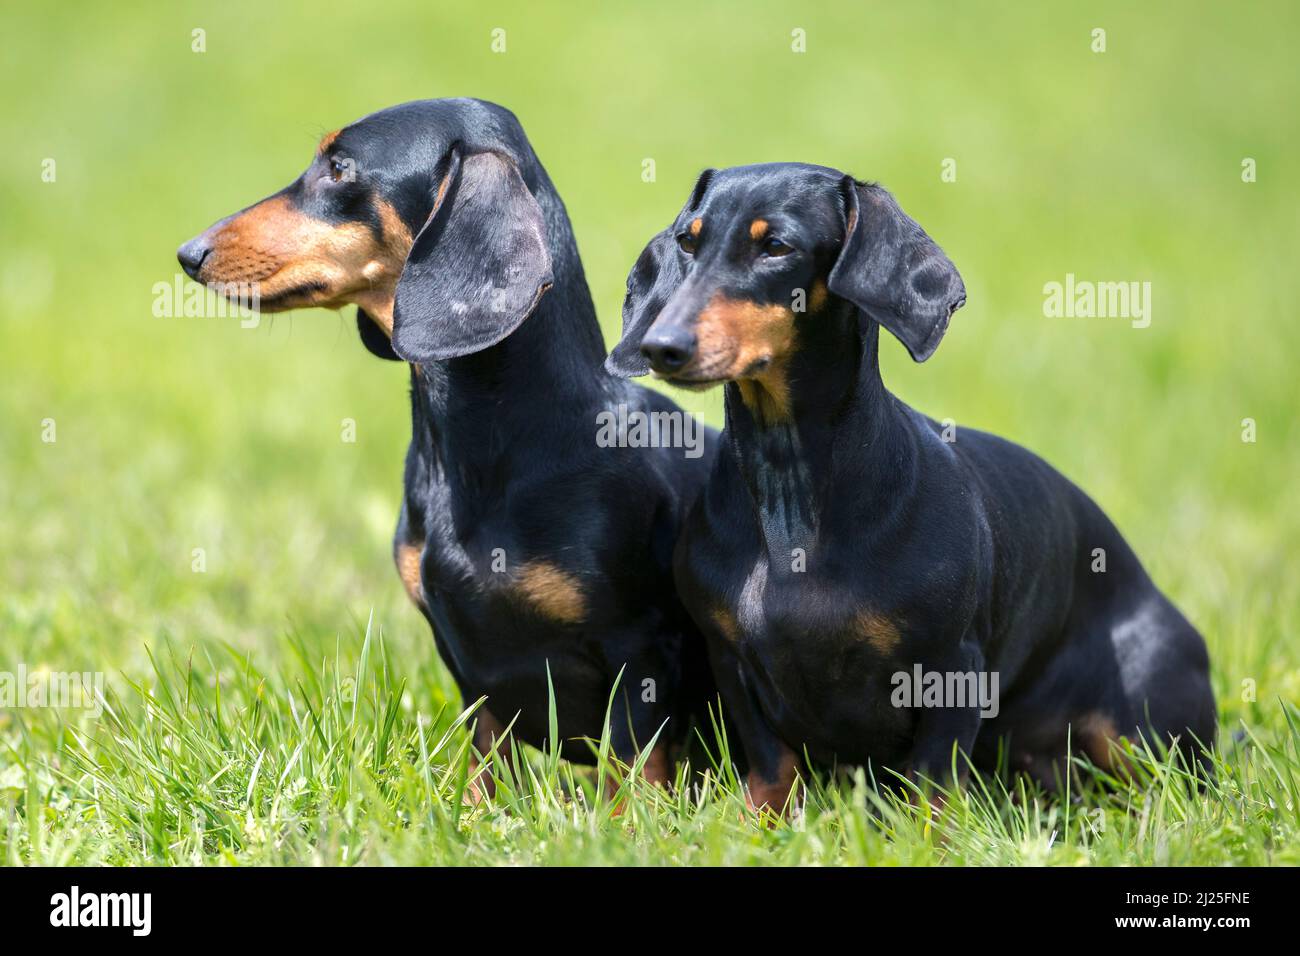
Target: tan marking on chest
<point>878,631</point>
<point>553,593</point>
<point>407,558</point>
<point>767,400</point>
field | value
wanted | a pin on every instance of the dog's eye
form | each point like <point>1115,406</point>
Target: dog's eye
<point>338,170</point>
<point>774,247</point>
<point>687,243</point>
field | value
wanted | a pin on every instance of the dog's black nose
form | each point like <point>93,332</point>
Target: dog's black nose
<point>668,352</point>
<point>191,256</point>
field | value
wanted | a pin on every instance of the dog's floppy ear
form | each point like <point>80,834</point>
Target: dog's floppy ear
<point>653,279</point>
<point>374,338</point>
<point>478,267</point>
<point>891,270</point>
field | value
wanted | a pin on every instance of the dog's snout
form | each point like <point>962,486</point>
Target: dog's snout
<point>669,352</point>
<point>192,254</point>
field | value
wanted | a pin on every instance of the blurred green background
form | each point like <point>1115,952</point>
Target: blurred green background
<point>176,434</point>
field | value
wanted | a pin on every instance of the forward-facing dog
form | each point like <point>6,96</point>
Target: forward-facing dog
<point>841,541</point>
<point>530,548</point>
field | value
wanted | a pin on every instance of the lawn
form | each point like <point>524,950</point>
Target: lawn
<point>183,514</point>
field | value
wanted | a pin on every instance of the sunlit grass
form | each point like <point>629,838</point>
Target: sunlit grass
<point>210,760</point>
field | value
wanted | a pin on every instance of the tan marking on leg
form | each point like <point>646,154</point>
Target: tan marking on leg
<point>487,731</point>
<point>553,593</point>
<point>774,795</point>
<point>480,785</point>
<point>726,622</point>
<point>658,768</point>
<point>407,557</point>
<point>656,771</point>
<point>758,229</point>
<point>1097,736</point>
<point>877,630</point>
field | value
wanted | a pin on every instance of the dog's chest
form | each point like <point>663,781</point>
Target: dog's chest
<point>815,622</point>
<point>819,657</point>
<point>790,618</point>
<point>490,577</point>
<point>502,619</point>
<point>517,609</point>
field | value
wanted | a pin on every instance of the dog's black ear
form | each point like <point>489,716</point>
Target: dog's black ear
<point>891,270</point>
<point>701,187</point>
<point>652,280</point>
<point>478,267</point>
<point>373,337</point>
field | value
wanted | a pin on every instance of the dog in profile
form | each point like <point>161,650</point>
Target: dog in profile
<point>538,556</point>
<point>841,541</point>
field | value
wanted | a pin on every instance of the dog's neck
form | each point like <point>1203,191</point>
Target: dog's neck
<point>836,430</point>
<point>547,375</point>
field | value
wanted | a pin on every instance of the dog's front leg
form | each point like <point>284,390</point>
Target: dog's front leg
<point>630,732</point>
<point>488,732</point>
<point>773,765</point>
<point>955,722</point>
<point>772,777</point>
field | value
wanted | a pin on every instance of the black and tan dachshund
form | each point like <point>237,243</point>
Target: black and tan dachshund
<point>844,552</point>
<point>529,546</point>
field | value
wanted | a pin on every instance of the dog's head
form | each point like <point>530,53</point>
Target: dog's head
<point>757,253</point>
<point>422,215</point>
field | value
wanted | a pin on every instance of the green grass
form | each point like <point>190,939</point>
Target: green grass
<point>251,719</point>
<point>208,759</point>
